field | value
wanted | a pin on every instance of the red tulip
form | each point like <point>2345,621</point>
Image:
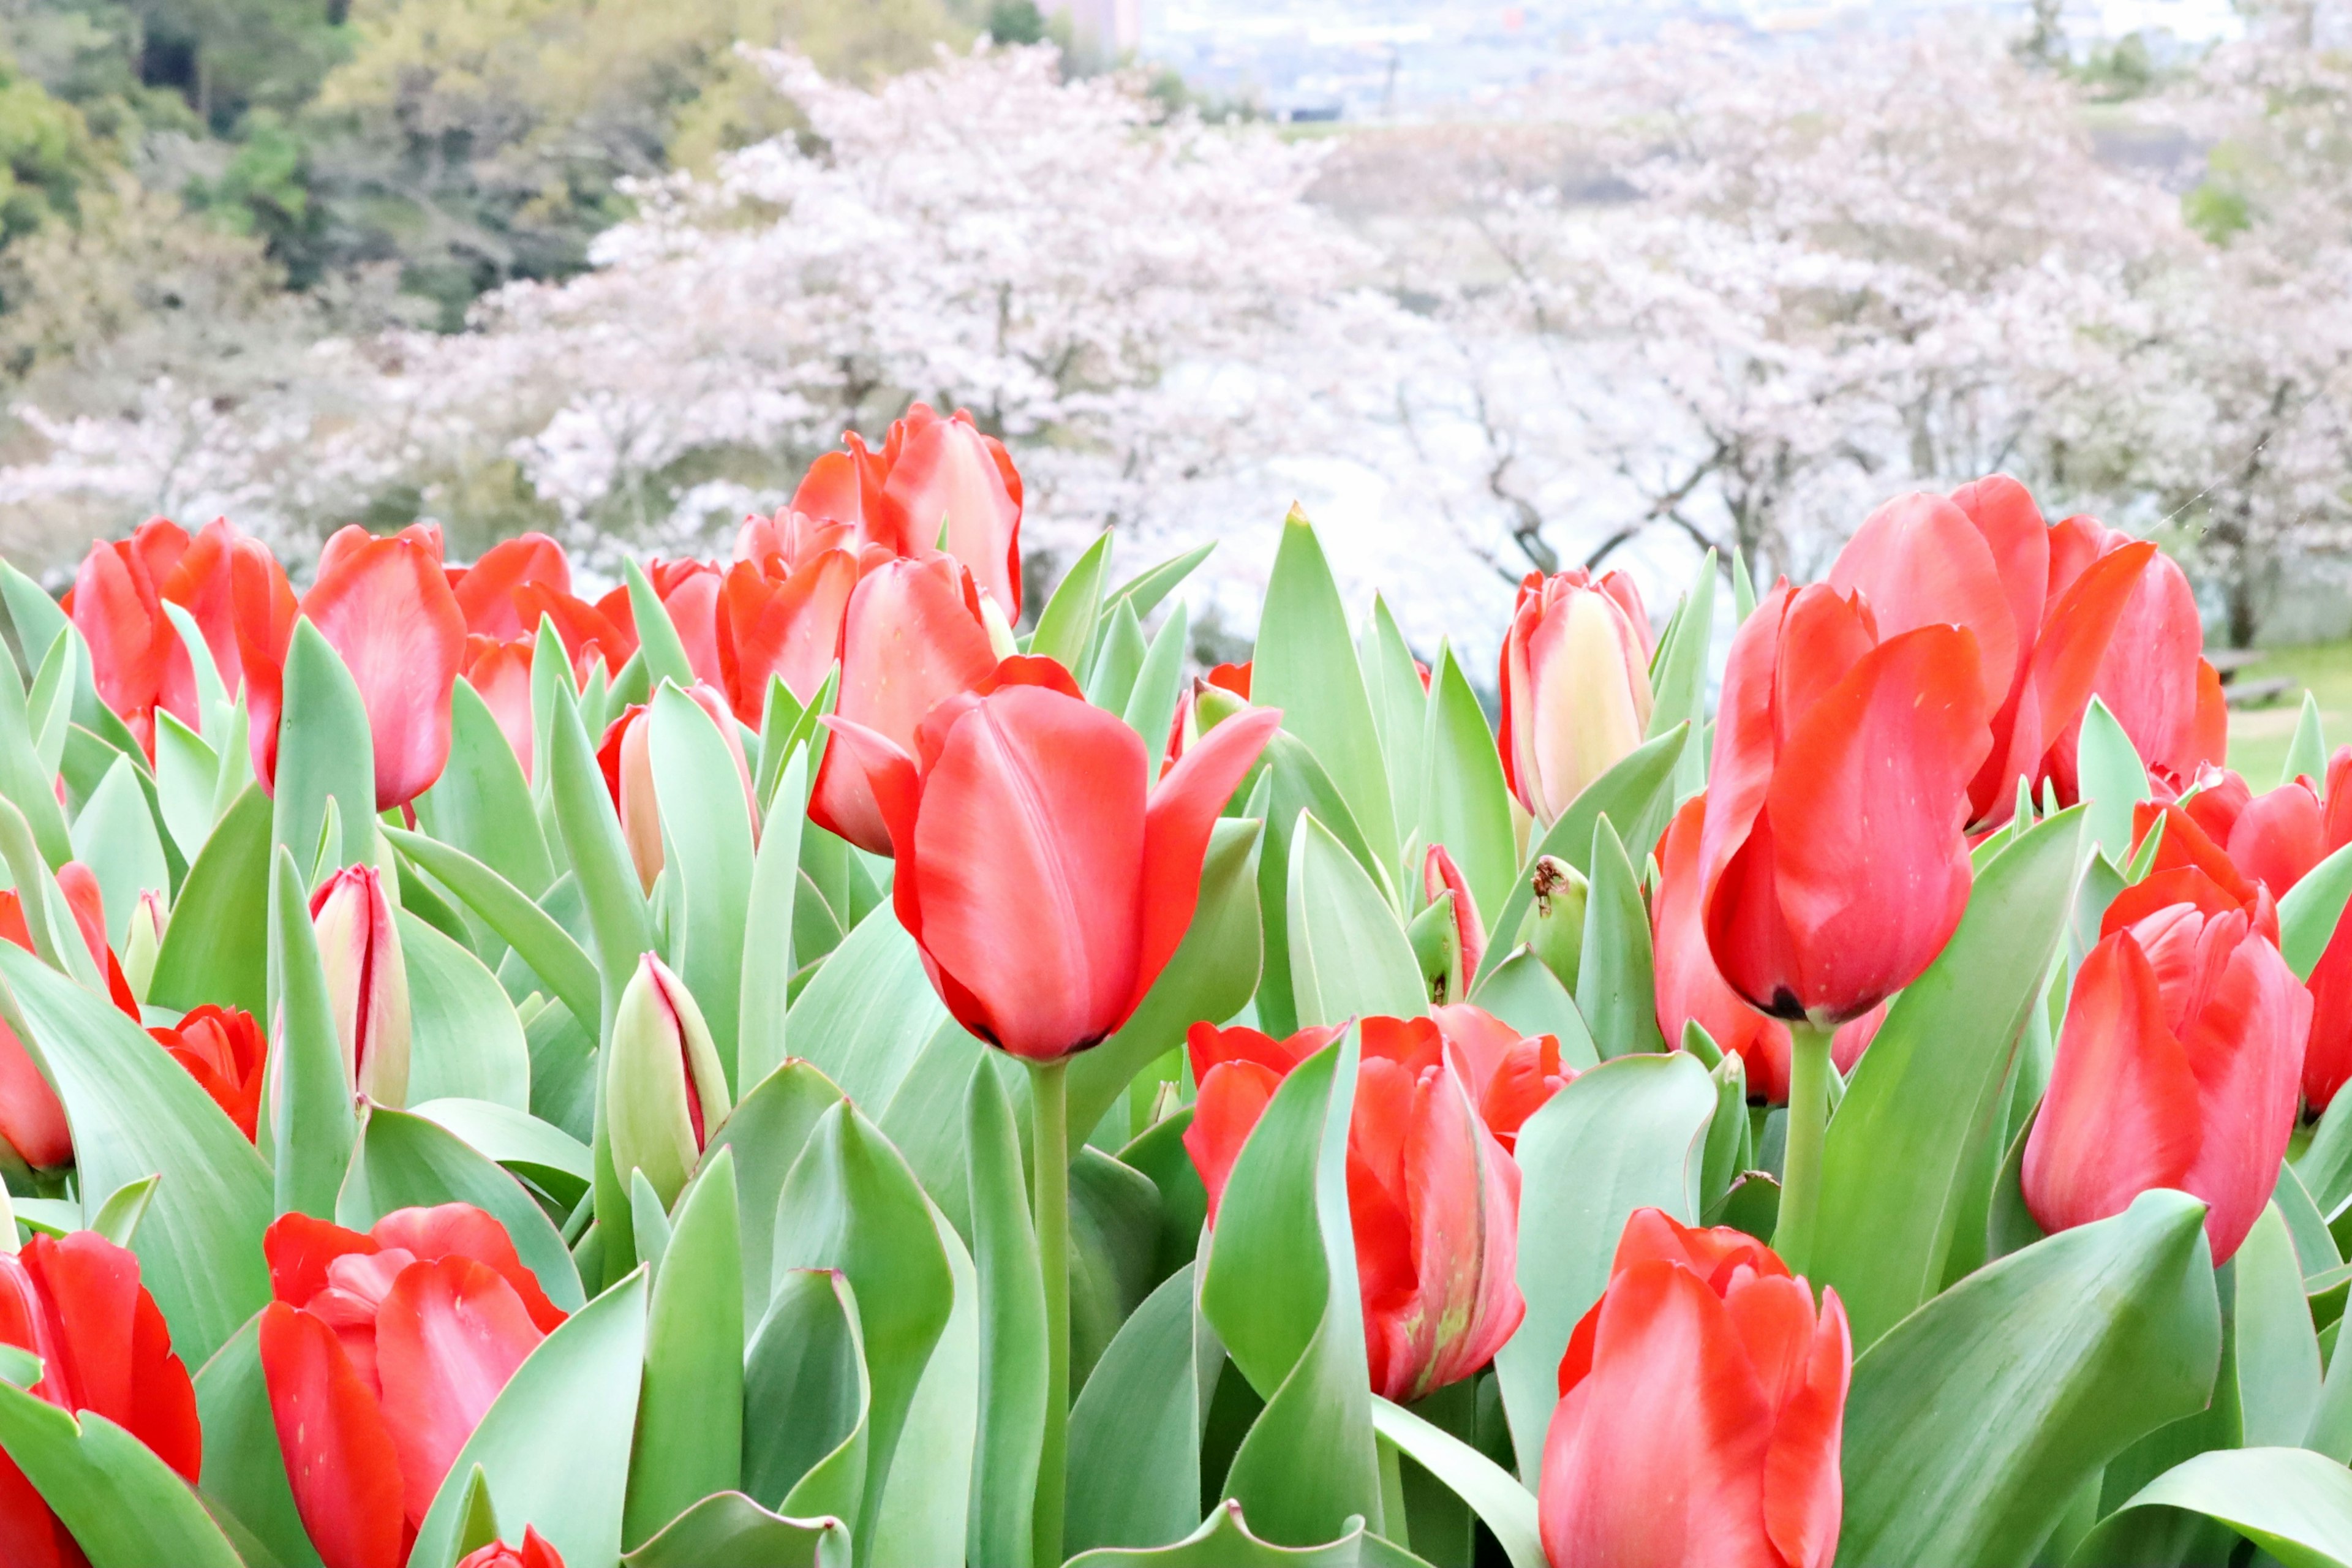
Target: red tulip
<point>367,982</point>
<point>779,624</point>
<point>1702,1411</point>
<point>485,590</point>
<point>136,657</point>
<point>1440,875</point>
<point>1510,1075</point>
<point>2177,1067</point>
<point>1045,879</point>
<point>223,1051</point>
<point>1834,869</point>
<point>931,471</point>
<point>625,755</point>
<point>846,486</point>
<point>913,635</point>
<point>501,673</point>
<point>1689,989</point>
<point>31,1117</point>
<point>1984,559</point>
<point>2153,677</point>
<point>1432,1198</point>
<point>76,1301</point>
<point>589,632</point>
<point>2190,868</point>
<point>534,1552</point>
<point>1575,679</point>
<point>385,606</point>
<point>381,1353</point>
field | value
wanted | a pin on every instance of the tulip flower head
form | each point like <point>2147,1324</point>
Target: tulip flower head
<point>627,759</point>
<point>32,1119</point>
<point>223,1050</point>
<point>1045,879</point>
<point>1702,1411</point>
<point>138,661</point>
<point>782,625</point>
<point>664,1090</point>
<point>1575,680</point>
<point>937,483</point>
<point>487,591</point>
<point>381,1352</point>
<point>367,982</point>
<point>534,1552</point>
<point>2179,1066</point>
<point>76,1301</point>
<point>1833,867</point>
<point>1433,1196</point>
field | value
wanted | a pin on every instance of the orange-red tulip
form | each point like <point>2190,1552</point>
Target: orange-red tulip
<point>381,1353</point>
<point>2177,1067</point>
<point>223,1051</point>
<point>1575,680</point>
<point>137,659</point>
<point>783,625</point>
<point>76,1301</point>
<point>1432,1197</point>
<point>931,471</point>
<point>485,590</point>
<point>1702,1411</point>
<point>501,673</point>
<point>534,1552</point>
<point>1832,863</point>
<point>1045,877</point>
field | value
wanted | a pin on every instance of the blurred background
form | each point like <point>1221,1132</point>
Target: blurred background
<point>1487,288</point>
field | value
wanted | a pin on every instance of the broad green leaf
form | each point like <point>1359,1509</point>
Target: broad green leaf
<point>48,705</point>
<point>1972,1422</point>
<point>136,1112</point>
<point>1400,706</point>
<point>599,857</point>
<point>836,893</point>
<point>869,1013</point>
<point>706,834</point>
<point>1305,664</point>
<point>730,1531</point>
<point>554,1444</point>
<point>2314,1248</point>
<point>1287,782</point>
<point>1524,993</point>
<point>187,776</point>
<point>926,1505</point>
<point>1637,796</point>
<point>1678,674</point>
<point>807,1399</point>
<point>765,994</point>
<point>2309,912</point>
<point>544,1153</point>
<point>541,942</point>
<point>465,1040</point>
<point>26,782</point>
<point>1743,588</point>
<point>1225,1540</point>
<point>1616,991</point>
<point>2273,1350</point>
<point>125,1507</point>
<point>115,836</point>
<point>690,1416</point>
<point>2112,781</point>
<point>2306,754</point>
<point>1134,1432</point>
<point>1012,1373</point>
<point>1911,1132</point>
<point>1464,805</point>
<point>658,643</point>
<point>118,1217</point>
<point>1065,626</point>
<point>213,696</point>
<point>48,918</point>
<point>244,1471</point>
<point>1118,653</point>
<point>1114,1248</point>
<point>1145,590</point>
<point>1629,1134</point>
<point>407,1162</point>
<point>1349,956</point>
<point>481,803</point>
<point>1280,1264</point>
<point>923,1118</point>
<point>2294,1505</point>
<point>216,949</point>
<point>1492,1492</point>
<point>767,1130</point>
<point>39,621</point>
<point>324,751</point>
<point>1150,707</point>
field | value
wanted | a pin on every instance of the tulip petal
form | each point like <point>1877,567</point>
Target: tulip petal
<point>386,607</point>
<point>949,472</point>
<point>1182,810</point>
<point>1922,562</point>
<point>339,1455</point>
<point>693,606</point>
<point>1232,1098</point>
<point>1688,987</point>
<point>31,1118</point>
<point>1804,1494</point>
<point>484,591</point>
<point>789,628</point>
<point>447,1337</point>
<point>461,1230</point>
<point>2055,685</point>
<point>2279,836</point>
<point>2244,1047</point>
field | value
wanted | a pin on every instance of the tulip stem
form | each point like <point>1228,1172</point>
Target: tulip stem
<point>1809,1116</point>
<point>1050,1153</point>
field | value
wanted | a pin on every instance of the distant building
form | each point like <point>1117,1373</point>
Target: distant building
<point>1111,27</point>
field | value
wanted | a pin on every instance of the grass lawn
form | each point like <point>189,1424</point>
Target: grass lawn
<point>2259,737</point>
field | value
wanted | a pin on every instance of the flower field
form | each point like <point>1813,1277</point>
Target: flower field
<point>773,1064</point>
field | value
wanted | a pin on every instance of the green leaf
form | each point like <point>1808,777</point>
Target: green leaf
<point>1524,993</point>
<point>187,776</point>
<point>1134,1432</point>
<point>2272,1347</point>
<point>216,949</point>
<point>1400,707</point>
<point>2292,1504</point>
<point>2112,781</point>
<point>1911,1135</point>
<point>125,1507</point>
<point>1113,1250</point>
<point>1065,626</point>
<point>730,1531</point>
<point>481,803</point>
<point>244,1470</point>
<point>1224,1540</point>
<point>869,1013</point>
<point>407,1162</point>
<point>599,857</point>
<point>118,1217</point>
<point>765,994</point>
<point>554,1444</point>
<point>1305,664</point>
<point>706,834</point>
<point>690,1437</point>
<point>1277,1290</point>
<point>136,1112</point>
<point>1678,674</point>
<point>1971,1425</point>
<point>1349,956</point>
<point>324,751</point>
<point>1464,805</point>
<point>213,697</point>
<point>2306,754</point>
<point>540,942</point>
<point>311,1128</point>
<point>2310,910</point>
<point>1150,707</point>
<point>927,1494</point>
<point>1507,1508</point>
<point>48,709</point>
<point>766,1131</point>
<point>1287,781</point>
<point>1629,1134</point>
<point>26,780</point>
<point>1145,590</point>
<point>658,643</point>
<point>807,1399</point>
<point>42,903</point>
<point>1637,796</point>
<point>1012,1374</point>
<point>115,836</point>
<point>465,1041</point>
<point>551,1157</point>
<point>1615,992</point>
<point>1119,655</point>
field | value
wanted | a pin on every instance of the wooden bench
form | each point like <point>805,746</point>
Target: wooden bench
<point>2257,693</point>
<point>2228,661</point>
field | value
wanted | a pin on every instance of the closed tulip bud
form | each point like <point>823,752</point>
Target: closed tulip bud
<point>626,757</point>
<point>150,918</point>
<point>1440,875</point>
<point>664,1091</point>
<point>367,982</point>
<point>1576,686</point>
<point>1555,924</point>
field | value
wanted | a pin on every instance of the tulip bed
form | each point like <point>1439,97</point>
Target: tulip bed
<point>774,1065</point>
